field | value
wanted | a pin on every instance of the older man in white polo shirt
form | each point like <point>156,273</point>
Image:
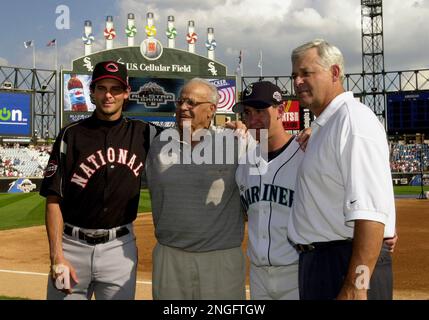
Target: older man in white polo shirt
<point>344,204</point>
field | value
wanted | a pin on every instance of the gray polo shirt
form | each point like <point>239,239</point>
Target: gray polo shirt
<point>195,200</point>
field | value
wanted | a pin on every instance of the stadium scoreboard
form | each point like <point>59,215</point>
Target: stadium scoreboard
<point>407,112</point>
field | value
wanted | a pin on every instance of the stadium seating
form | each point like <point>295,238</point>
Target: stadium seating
<point>30,161</point>
<point>23,161</point>
<point>406,157</point>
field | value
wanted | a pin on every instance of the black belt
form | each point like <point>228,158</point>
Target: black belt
<point>96,239</point>
<point>301,248</point>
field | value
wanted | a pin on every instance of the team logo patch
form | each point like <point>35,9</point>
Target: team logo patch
<point>277,96</point>
<point>51,168</point>
<point>112,67</point>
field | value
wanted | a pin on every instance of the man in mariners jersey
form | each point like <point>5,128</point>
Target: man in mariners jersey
<point>267,193</point>
<point>92,186</point>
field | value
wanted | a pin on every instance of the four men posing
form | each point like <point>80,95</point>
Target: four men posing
<point>334,217</point>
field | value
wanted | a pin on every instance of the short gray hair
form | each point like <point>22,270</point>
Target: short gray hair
<point>328,54</point>
<point>214,95</point>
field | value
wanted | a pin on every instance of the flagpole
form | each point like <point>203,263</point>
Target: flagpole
<point>34,54</point>
<point>57,90</point>
<point>239,76</point>
<point>241,63</point>
<point>56,54</point>
<point>260,63</point>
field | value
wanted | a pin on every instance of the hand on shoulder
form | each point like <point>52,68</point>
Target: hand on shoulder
<point>302,138</point>
<point>238,126</point>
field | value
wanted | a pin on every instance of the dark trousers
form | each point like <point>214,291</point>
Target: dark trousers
<point>322,272</point>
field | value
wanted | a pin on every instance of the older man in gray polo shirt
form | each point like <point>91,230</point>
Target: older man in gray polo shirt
<point>198,221</point>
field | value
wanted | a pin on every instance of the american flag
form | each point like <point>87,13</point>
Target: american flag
<point>52,43</point>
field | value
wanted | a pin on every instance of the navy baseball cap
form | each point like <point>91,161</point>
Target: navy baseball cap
<point>110,70</point>
<point>259,95</point>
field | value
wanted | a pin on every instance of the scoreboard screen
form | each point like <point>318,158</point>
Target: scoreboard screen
<point>407,112</point>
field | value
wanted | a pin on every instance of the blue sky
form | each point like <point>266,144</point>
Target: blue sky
<point>36,20</point>
<point>273,26</point>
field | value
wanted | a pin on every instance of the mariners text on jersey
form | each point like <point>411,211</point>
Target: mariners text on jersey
<point>270,192</point>
<point>99,159</point>
<point>268,199</point>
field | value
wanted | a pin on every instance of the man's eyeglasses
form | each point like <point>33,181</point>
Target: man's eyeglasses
<point>190,102</point>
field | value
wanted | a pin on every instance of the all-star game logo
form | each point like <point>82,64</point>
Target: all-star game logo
<point>152,95</point>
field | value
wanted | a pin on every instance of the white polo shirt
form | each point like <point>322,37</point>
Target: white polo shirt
<point>345,175</point>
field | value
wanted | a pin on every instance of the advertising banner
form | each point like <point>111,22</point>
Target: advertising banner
<point>226,90</point>
<point>168,63</point>
<point>15,114</point>
<point>149,97</point>
<point>291,115</point>
<point>165,122</point>
<point>77,93</point>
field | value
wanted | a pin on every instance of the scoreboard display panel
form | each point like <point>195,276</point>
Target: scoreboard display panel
<point>407,112</point>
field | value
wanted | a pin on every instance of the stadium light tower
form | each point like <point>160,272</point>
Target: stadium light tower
<point>373,56</point>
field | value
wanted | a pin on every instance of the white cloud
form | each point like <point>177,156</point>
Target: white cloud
<point>3,62</point>
<point>249,25</point>
<point>308,18</point>
<point>406,34</point>
<point>273,26</point>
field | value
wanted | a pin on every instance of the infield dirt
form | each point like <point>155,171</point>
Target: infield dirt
<point>24,257</point>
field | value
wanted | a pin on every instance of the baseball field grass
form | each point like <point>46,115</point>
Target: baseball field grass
<point>20,210</point>
<point>409,190</point>
<point>12,298</point>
